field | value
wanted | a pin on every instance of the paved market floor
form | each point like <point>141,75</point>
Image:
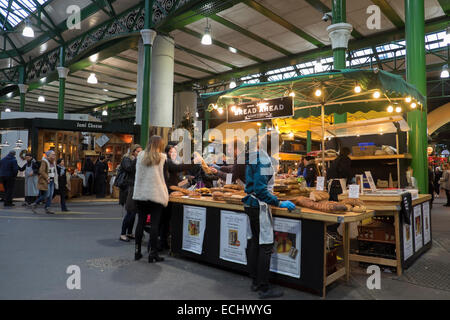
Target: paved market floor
<point>36,250</point>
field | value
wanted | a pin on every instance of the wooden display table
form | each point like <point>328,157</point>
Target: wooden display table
<point>406,236</point>
<point>76,188</point>
<point>313,248</point>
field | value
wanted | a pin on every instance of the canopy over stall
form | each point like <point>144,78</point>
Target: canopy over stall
<point>324,94</point>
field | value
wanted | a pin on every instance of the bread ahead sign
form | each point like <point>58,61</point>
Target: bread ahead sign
<point>262,110</point>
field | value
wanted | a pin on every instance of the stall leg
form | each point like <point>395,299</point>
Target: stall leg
<point>346,240</point>
<point>324,260</point>
<point>397,243</point>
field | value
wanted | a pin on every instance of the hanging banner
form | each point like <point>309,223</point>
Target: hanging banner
<point>418,227</point>
<point>426,222</point>
<point>233,236</point>
<point>287,247</point>
<point>194,224</point>
<point>407,241</point>
<point>261,110</point>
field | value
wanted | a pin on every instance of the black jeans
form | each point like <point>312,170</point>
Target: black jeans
<point>9,183</point>
<point>62,194</point>
<point>128,223</point>
<point>335,191</point>
<point>155,210</point>
<point>165,227</point>
<point>447,193</point>
<point>258,255</point>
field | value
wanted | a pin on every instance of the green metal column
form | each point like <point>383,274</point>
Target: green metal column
<point>22,93</point>
<point>62,84</point>
<point>207,117</point>
<point>146,83</point>
<point>308,141</point>
<point>339,15</point>
<point>416,75</point>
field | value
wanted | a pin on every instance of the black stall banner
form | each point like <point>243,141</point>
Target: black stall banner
<point>262,110</point>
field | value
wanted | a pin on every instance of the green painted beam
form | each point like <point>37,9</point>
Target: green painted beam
<point>390,13</point>
<point>283,22</point>
<point>204,56</point>
<point>445,5</point>
<point>354,44</point>
<point>222,45</point>
<point>322,8</point>
<point>249,34</point>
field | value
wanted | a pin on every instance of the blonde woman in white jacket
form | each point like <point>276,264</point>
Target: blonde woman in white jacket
<point>150,193</point>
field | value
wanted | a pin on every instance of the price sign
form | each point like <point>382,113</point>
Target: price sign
<point>229,178</point>
<point>353,191</point>
<point>320,183</point>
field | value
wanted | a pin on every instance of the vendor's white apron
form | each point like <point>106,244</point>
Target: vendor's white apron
<point>265,217</point>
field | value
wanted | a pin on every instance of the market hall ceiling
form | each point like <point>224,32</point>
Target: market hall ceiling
<point>267,35</point>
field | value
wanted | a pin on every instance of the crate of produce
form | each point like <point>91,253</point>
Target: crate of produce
<point>377,231</point>
<point>360,151</point>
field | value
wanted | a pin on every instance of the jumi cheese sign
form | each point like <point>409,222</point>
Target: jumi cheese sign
<point>262,110</point>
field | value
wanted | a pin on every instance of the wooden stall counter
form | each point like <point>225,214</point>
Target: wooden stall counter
<point>313,247</point>
<point>411,240</point>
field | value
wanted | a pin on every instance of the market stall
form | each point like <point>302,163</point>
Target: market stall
<point>337,106</point>
<point>215,232</point>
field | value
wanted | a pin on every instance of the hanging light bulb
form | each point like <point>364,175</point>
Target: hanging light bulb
<point>19,142</point>
<point>7,110</point>
<point>6,144</point>
<point>444,73</point>
<point>357,88</point>
<point>398,109</point>
<point>207,39</point>
<point>390,109</point>
<point>215,106</point>
<point>41,99</point>
<point>292,94</point>
<point>220,110</point>
<point>233,50</point>
<point>318,93</point>
<point>197,115</point>
<point>291,134</point>
<point>105,113</point>
<point>28,31</point>
<point>376,94</point>
<point>92,79</point>
<point>258,124</point>
<point>408,99</point>
<point>232,84</point>
<point>413,105</point>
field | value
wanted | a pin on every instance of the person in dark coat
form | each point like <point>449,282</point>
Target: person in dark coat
<point>89,169</point>
<point>340,168</point>
<point>8,174</point>
<point>128,165</point>
<point>61,172</point>
<point>310,172</point>
<point>173,176</point>
<point>101,172</point>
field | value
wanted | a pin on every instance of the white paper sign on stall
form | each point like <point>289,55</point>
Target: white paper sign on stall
<point>418,231</point>
<point>320,183</point>
<point>426,222</point>
<point>194,224</point>
<point>287,247</point>
<point>407,241</point>
<point>353,191</point>
<point>233,237</point>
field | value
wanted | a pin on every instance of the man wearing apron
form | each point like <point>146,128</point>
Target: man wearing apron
<point>259,184</point>
<point>31,169</point>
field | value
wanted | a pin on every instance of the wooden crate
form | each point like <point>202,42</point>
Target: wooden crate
<point>377,231</point>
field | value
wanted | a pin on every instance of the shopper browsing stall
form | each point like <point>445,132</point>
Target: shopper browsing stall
<point>340,168</point>
<point>150,192</point>
<point>101,172</point>
<point>259,185</point>
<point>31,168</point>
<point>310,171</point>
<point>445,183</point>
<point>46,181</point>
<point>62,183</point>
<point>8,173</point>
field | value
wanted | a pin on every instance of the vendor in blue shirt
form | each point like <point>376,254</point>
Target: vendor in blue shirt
<point>259,176</point>
<point>310,171</point>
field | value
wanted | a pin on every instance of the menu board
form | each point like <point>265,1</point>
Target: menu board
<point>194,224</point>
<point>261,110</point>
<point>233,236</point>
<point>287,247</point>
<point>426,222</point>
<point>418,231</point>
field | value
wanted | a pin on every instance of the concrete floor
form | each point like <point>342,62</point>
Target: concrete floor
<point>36,250</point>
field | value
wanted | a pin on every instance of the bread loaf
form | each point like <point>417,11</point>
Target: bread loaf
<point>177,194</point>
<point>353,202</point>
<point>218,196</point>
<point>319,195</point>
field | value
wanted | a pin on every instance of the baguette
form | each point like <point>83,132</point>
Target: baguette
<point>177,194</point>
<point>184,191</point>
<point>319,195</point>
<point>353,202</point>
<point>218,196</point>
<point>233,186</point>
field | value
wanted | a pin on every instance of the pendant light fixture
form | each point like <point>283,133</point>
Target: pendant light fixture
<point>444,72</point>
<point>207,39</point>
<point>232,84</point>
<point>41,99</point>
<point>105,113</point>
<point>92,79</point>
<point>28,30</point>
